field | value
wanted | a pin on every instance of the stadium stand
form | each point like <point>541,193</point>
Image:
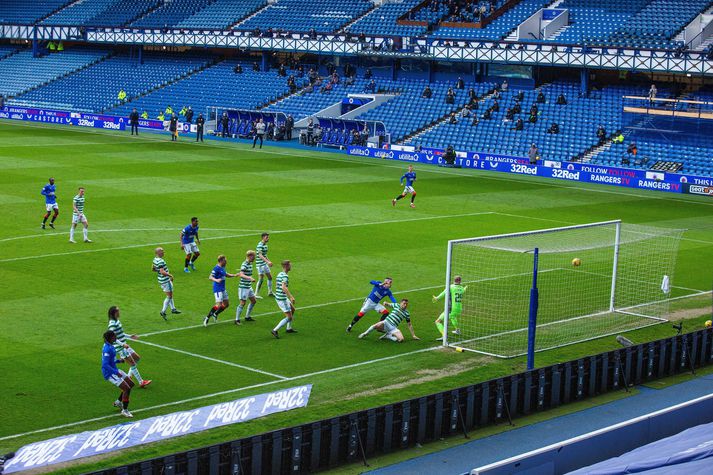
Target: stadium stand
<point>595,23</point>
<point>222,14</point>
<point>218,86</point>
<point>7,50</point>
<point>28,12</point>
<point>107,77</point>
<point>21,72</point>
<point>171,13</point>
<point>382,21</point>
<point>123,12</point>
<point>78,13</point>
<point>301,16</point>
<point>499,28</point>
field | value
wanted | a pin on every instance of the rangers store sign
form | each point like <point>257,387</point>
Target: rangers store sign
<point>154,429</point>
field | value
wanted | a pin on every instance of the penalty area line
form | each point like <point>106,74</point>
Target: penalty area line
<point>222,393</point>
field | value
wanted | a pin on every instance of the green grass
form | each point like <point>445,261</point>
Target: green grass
<point>330,214</point>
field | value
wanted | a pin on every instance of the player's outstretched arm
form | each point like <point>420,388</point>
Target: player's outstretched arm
<point>439,297</point>
<point>245,276</point>
<point>413,334</point>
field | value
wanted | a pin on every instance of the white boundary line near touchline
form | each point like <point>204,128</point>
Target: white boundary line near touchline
<point>57,232</point>
<point>353,159</point>
<point>232,236</point>
<point>589,435</point>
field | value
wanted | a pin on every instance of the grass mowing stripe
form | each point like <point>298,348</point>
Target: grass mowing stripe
<point>232,236</point>
<point>215,360</point>
<point>55,234</point>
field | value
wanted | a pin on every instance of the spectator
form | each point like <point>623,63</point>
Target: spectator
<point>160,116</point>
<point>516,109</point>
<point>2,101</point>
<point>312,75</point>
<point>652,92</point>
<point>509,115</point>
<point>561,100</point>
<point>450,96</point>
<point>122,95</point>
<point>532,119</point>
<point>427,93</point>
<point>224,123</point>
<point>504,86</point>
<point>371,87</point>
<point>259,132</point>
<point>364,135</point>
<point>349,81</point>
<point>496,106</point>
<point>300,71</point>
<point>488,114</point>
<point>318,81</point>
<point>471,95</point>
<point>238,69</point>
<point>541,98</point>
<point>475,121</point>
<point>335,78</point>
<point>144,115</point>
<point>310,131</point>
<point>52,47</point>
<point>452,119</point>
<point>183,111</point>
<point>534,110</point>
<point>289,125</point>
<point>60,47</point>
<point>256,67</point>
<point>327,88</point>
<point>270,131</point>
<point>520,96</point>
<point>367,73</point>
<point>554,128</point>
<point>519,124</point>
<point>134,121</point>
<point>533,154</point>
<point>449,156</point>
<point>631,149</point>
<point>465,113</point>
<point>618,137</point>
<point>169,110</point>
<point>189,115</point>
<point>496,94</point>
<point>460,84</point>
<point>282,71</point>
<point>173,128</point>
<point>200,123</point>
<point>291,84</point>
<point>601,134</point>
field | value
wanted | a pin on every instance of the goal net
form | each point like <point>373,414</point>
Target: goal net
<point>593,280</point>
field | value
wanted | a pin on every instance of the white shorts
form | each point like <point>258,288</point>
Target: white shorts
<point>284,305</point>
<point>52,206</point>
<point>123,353</point>
<point>221,296</point>
<point>263,269</point>
<point>389,328</point>
<point>79,218</point>
<point>117,379</point>
<point>190,248</point>
<point>371,305</point>
<point>409,189</point>
<point>167,287</point>
<point>245,294</point>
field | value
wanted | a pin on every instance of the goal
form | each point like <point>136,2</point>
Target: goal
<point>554,287</point>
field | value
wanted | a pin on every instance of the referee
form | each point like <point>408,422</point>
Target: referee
<point>259,132</point>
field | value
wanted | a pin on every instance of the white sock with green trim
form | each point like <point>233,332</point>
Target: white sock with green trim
<point>282,323</point>
<point>166,301</point>
<point>238,311</point>
<point>250,310</point>
<point>134,371</point>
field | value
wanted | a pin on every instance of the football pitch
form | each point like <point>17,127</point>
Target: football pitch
<point>330,214</point>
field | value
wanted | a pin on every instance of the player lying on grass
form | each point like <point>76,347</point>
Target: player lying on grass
<point>189,244</point>
<point>456,306</point>
<point>218,276</point>
<point>49,191</point>
<point>165,281</point>
<point>125,352</point>
<point>407,180</point>
<point>263,265</point>
<point>245,288</point>
<point>372,302</point>
<point>114,375</point>
<point>284,299</point>
<point>389,326</point>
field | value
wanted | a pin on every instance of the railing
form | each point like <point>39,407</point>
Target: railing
<point>352,438</point>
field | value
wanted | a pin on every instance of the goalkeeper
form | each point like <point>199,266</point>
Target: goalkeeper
<point>456,306</point>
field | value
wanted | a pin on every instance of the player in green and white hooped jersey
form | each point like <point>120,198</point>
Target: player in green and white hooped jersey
<point>79,217</point>
<point>123,349</point>
<point>284,299</point>
<point>456,306</point>
<point>245,288</point>
<point>389,326</point>
<point>263,265</point>
<point>165,281</point>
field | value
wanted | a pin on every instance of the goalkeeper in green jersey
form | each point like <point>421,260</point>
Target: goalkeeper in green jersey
<point>456,306</point>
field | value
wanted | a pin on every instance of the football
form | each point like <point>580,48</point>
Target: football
<point>708,323</point>
<point>576,262</point>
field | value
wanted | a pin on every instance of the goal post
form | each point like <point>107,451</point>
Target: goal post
<point>543,289</point>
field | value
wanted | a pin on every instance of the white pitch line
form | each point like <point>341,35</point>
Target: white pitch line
<point>221,393</point>
<point>176,229</point>
<point>284,231</point>
<point>215,360</point>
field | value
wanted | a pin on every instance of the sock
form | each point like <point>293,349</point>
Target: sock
<point>392,338</point>
<point>125,403</point>
<point>439,325</point>
<point>238,311</point>
<point>220,310</point>
<point>195,256</point>
<point>44,219</point>
<point>399,197</point>
<point>213,310</point>
<point>282,323</point>
<point>289,324</point>
<point>369,330</point>
<point>269,286</point>
<point>250,310</point>
<point>170,302</point>
<point>53,218</point>
<point>413,197</point>
<point>356,318</point>
<point>134,371</point>
<point>188,261</point>
<point>85,231</point>
<point>259,284</point>
<point>121,396</point>
<point>165,304</point>
<point>71,233</point>
<point>384,314</point>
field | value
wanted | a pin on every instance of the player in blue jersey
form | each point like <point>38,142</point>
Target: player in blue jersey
<point>407,179</point>
<point>49,191</point>
<point>218,276</point>
<point>189,243</point>
<point>114,375</point>
<point>373,301</point>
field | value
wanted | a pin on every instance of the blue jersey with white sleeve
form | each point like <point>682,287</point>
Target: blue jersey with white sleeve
<point>409,178</point>
<point>379,292</point>
<point>49,193</point>
<point>218,272</point>
<point>189,234</point>
<point>109,361</point>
